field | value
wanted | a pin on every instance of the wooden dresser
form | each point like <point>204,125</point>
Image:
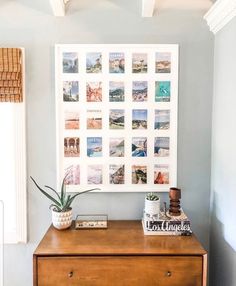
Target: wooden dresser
<point>119,255</point>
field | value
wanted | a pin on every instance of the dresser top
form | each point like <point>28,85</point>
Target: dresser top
<point>120,238</point>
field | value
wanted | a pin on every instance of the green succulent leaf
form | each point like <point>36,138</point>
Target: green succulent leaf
<point>67,202</point>
<point>45,193</point>
<point>80,193</point>
<point>63,202</point>
<point>152,197</point>
<point>53,191</point>
<point>63,191</point>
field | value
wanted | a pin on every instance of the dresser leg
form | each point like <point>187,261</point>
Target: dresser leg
<point>204,270</point>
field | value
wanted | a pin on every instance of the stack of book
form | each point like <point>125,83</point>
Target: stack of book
<point>166,224</point>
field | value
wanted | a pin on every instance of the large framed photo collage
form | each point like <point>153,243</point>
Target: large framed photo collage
<point>116,116</point>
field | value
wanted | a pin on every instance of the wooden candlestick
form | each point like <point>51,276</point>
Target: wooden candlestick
<point>175,196</point>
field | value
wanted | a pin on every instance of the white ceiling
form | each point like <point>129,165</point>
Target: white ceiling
<point>160,5</point>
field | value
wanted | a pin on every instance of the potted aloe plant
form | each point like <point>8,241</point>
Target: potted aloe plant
<point>152,204</point>
<point>61,204</point>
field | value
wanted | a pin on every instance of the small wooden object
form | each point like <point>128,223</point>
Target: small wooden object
<point>175,196</point>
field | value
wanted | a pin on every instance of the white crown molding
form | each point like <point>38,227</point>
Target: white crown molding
<point>220,14</point>
<point>148,8</point>
<point>59,7</point>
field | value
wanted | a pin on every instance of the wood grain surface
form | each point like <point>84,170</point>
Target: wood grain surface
<point>119,256</point>
<point>121,237</point>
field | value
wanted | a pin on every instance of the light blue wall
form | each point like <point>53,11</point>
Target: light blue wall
<point>223,225</point>
<point>30,24</point>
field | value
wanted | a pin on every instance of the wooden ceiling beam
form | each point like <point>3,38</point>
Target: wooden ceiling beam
<point>148,8</point>
<point>58,7</point>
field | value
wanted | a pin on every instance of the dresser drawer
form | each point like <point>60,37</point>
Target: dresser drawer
<point>120,270</point>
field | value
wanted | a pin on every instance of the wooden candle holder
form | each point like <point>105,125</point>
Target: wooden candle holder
<point>175,196</point>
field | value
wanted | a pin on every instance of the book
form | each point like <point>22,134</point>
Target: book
<point>147,231</point>
<point>166,224</point>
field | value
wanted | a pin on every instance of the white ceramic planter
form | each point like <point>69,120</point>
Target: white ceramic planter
<point>62,220</point>
<point>152,207</point>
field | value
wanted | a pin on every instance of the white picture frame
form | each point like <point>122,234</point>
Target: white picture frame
<point>109,99</point>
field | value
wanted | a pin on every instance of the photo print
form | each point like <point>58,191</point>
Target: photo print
<point>94,62</point>
<point>161,174</point>
<point>70,62</point>
<point>162,91</point>
<point>72,175</point>
<point>71,147</point>
<point>139,119</point>
<point>94,146</point>
<point>163,62</point>
<point>139,63</point>
<point>139,147</point>
<point>117,119</point>
<point>94,91</point>
<point>71,120</point>
<point>70,90</point>
<point>94,119</point>
<point>116,62</point>
<point>139,174</point>
<point>161,146</point>
<point>116,91</point>
<point>117,147</point>
<point>162,119</point>
<point>94,174</point>
<point>140,91</point>
<point>117,174</point>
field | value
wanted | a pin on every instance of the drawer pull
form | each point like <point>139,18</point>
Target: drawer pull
<point>70,274</point>
<point>168,273</point>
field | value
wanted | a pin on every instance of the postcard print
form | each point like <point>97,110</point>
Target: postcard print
<point>139,174</point>
<point>116,91</point>
<point>94,119</point>
<point>94,62</point>
<point>161,174</point>
<point>162,119</point>
<point>117,119</point>
<point>94,174</point>
<point>94,146</point>
<point>139,63</point>
<point>163,62</point>
<point>117,62</point>
<point>72,175</point>
<point>70,62</point>
<point>71,120</point>
<point>139,119</point>
<point>139,147</point>
<point>70,91</point>
<point>162,91</point>
<point>71,147</point>
<point>140,91</point>
<point>161,146</point>
<point>117,147</point>
<point>94,91</point>
<point>117,174</point>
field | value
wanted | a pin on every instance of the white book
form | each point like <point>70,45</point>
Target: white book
<point>161,232</point>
